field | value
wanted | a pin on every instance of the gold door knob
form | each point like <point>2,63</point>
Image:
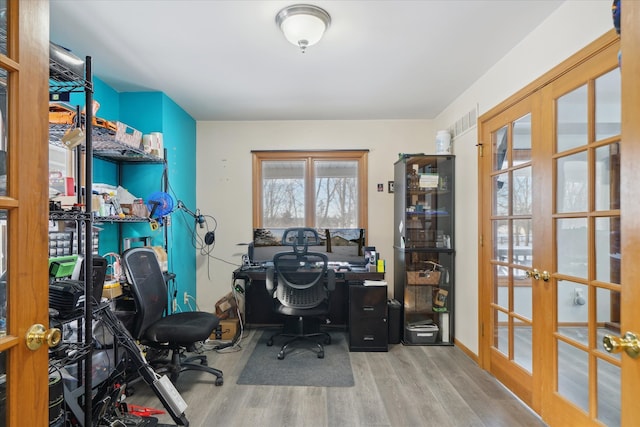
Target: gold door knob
<point>533,273</point>
<point>629,343</point>
<point>38,334</point>
<point>545,276</point>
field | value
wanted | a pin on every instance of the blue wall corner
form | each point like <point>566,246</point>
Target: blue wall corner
<point>153,112</point>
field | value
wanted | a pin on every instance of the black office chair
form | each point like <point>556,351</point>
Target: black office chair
<point>300,283</point>
<point>175,333</point>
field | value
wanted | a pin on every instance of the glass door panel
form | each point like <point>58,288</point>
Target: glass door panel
<point>587,247</point>
<point>512,242</point>
<point>607,104</point>
<point>571,126</point>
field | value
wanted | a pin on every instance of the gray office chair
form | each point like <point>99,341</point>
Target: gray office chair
<point>300,283</point>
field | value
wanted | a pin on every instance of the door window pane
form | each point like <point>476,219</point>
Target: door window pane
<point>608,393</point>
<point>607,317</point>
<point>572,191</point>
<point>607,185</point>
<point>501,332</point>
<point>283,193</point>
<point>572,116</point>
<point>522,191</point>
<point>607,249</point>
<point>3,26</point>
<point>522,140</point>
<point>500,149</point>
<point>336,191</point>
<point>501,286</point>
<point>501,194</point>
<point>573,374</point>
<point>501,240</point>
<point>3,132</point>
<point>571,237</point>
<point>3,272</point>
<point>522,349</point>
<point>573,311</point>
<point>521,236</point>
<point>608,104</point>
<point>522,294</point>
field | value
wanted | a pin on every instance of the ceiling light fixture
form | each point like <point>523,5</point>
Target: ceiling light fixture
<point>303,24</point>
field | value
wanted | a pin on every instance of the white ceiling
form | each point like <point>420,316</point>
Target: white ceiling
<point>227,60</point>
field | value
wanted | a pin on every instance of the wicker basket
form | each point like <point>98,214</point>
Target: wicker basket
<point>423,277</point>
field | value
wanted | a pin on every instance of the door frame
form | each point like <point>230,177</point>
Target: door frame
<point>630,202</point>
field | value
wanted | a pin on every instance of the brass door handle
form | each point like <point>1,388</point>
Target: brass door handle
<point>537,275</point>
<point>38,334</point>
<point>629,343</point>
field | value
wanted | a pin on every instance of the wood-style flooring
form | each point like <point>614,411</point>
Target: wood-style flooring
<point>406,386</point>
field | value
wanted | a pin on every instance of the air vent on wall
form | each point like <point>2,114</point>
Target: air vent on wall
<point>465,123</point>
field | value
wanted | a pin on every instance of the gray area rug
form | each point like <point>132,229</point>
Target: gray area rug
<point>301,366</point>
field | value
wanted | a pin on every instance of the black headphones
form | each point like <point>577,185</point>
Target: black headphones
<point>210,237</point>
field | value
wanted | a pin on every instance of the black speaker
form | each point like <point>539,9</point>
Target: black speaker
<point>368,329</point>
<point>394,316</point>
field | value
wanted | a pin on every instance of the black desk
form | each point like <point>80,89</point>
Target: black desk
<point>258,303</point>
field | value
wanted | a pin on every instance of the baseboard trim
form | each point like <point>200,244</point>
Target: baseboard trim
<point>466,351</point>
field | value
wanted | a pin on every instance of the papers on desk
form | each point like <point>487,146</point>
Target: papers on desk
<point>375,283</point>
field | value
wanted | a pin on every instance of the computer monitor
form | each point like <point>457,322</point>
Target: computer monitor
<point>343,245</point>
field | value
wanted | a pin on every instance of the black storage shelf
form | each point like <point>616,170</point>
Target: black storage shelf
<point>424,248</point>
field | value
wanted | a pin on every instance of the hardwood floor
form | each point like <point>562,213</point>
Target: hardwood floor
<point>407,386</point>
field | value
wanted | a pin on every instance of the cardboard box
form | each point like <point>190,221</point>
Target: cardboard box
<point>226,307</point>
<point>227,330</point>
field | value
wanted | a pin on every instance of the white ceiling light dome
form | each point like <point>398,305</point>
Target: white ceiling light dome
<point>303,24</point>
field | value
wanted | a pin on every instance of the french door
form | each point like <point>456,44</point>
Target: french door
<point>24,53</point>
<point>553,242</point>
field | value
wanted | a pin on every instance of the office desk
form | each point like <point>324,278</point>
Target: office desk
<point>258,303</point>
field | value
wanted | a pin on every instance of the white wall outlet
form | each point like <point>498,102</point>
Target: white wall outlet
<point>186,298</point>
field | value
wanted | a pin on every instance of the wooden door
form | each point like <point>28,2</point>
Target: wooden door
<point>558,259</point>
<point>581,300</point>
<point>24,53</point>
<point>509,231</point>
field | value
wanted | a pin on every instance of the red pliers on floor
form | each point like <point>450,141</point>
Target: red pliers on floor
<point>142,411</point>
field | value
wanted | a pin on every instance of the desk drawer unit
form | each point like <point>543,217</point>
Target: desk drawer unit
<point>368,329</point>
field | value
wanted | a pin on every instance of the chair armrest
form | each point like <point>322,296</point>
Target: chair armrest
<point>331,280</point>
<point>269,282</point>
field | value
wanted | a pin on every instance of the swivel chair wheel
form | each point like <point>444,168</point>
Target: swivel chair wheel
<point>219,381</point>
<point>270,342</point>
<point>281,355</point>
<point>321,355</point>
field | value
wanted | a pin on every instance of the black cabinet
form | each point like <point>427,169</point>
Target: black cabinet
<point>424,247</point>
<point>368,328</point>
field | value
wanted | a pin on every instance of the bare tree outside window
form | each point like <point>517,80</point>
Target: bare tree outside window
<point>314,189</point>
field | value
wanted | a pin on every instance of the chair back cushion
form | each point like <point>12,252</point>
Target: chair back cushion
<point>300,279</point>
<point>149,289</point>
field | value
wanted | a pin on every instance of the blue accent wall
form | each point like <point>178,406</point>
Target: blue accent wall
<point>153,112</point>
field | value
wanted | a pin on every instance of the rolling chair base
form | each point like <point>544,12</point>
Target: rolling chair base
<point>179,363</point>
<point>301,329</point>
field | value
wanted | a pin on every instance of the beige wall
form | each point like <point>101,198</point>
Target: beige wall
<point>224,180</point>
<point>224,159</point>
<point>573,26</point>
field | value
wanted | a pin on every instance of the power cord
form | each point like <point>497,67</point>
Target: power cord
<point>234,345</point>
